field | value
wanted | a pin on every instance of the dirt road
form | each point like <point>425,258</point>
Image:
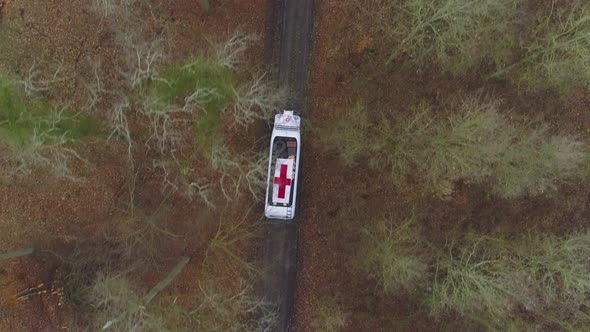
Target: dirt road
<point>293,21</point>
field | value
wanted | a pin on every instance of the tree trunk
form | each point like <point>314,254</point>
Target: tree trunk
<point>166,281</point>
<point>16,253</point>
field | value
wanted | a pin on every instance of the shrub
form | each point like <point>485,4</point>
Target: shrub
<point>145,236</point>
<point>392,255</point>
<point>254,173</point>
<point>559,267</point>
<point>440,152</point>
<point>348,136</point>
<point>479,146</point>
<point>195,93</point>
<point>452,33</point>
<point>114,302</point>
<point>208,81</point>
<point>556,51</point>
<point>87,260</point>
<point>120,124</point>
<point>537,163</point>
<point>492,280</point>
<point>206,88</point>
<point>223,250</point>
<point>327,316</point>
<point>19,118</point>
<point>539,49</point>
<point>475,283</point>
<point>475,144</point>
<point>228,301</point>
<point>224,310</point>
<point>96,88</point>
<point>118,305</point>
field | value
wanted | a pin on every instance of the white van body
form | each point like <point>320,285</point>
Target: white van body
<point>283,167</point>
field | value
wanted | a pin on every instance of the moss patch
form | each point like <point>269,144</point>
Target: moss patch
<point>22,119</point>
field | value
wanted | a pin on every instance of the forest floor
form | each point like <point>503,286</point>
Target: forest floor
<point>57,215</point>
<point>339,201</point>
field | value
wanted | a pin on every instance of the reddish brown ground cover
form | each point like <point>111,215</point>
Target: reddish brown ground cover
<point>53,214</point>
<point>337,201</point>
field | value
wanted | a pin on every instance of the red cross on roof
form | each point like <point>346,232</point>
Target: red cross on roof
<point>282,181</point>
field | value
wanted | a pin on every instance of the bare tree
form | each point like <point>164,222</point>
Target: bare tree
<point>107,8</point>
<point>181,183</point>
<point>230,52</point>
<point>257,99</point>
<point>143,57</point>
<point>96,89</point>
<point>34,85</point>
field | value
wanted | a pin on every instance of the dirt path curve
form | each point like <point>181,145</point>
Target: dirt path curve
<point>294,20</point>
